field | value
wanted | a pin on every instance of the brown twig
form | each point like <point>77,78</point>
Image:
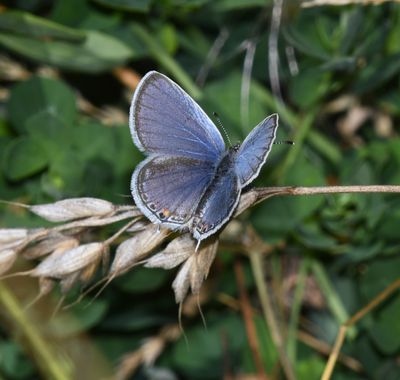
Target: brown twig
<point>248,316</point>
<point>354,319</point>
<point>300,190</point>
<point>317,3</point>
<point>325,349</point>
<point>257,195</point>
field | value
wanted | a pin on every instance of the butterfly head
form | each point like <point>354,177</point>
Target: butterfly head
<point>235,148</point>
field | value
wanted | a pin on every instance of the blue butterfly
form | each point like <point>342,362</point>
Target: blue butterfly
<point>189,181</point>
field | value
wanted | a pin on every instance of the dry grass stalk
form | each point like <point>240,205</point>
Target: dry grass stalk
<point>318,3</point>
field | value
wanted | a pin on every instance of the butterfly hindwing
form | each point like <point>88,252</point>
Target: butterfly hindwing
<point>218,202</point>
<point>168,189</point>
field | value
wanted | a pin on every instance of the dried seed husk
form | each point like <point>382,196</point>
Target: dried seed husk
<point>87,274</point>
<point>202,263</point>
<point>49,244</point>
<point>176,252</point>
<point>74,208</point>
<point>140,225</point>
<point>58,265</point>
<point>12,236</point>
<point>7,259</point>
<point>68,282</point>
<point>246,200</point>
<point>137,248</point>
<point>182,280</point>
<point>46,285</point>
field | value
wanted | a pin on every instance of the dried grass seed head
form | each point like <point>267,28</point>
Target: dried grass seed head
<point>7,259</point>
<point>176,252</point>
<point>60,264</point>
<point>74,208</point>
<point>137,248</point>
<point>48,244</point>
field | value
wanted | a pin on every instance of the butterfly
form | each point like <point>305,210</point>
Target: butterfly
<point>189,181</point>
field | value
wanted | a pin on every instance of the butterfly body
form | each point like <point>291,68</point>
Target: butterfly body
<point>189,181</point>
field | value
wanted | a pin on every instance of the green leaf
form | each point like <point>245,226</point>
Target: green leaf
<point>127,5</point>
<point>85,318</point>
<point>352,21</point>
<point>136,319</point>
<point>309,87</point>
<point>223,96</point>
<point>65,175</point>
<point>143,280</point>
<point>231,5</point>
<point>81,14</point>
<point>377,74</point>
<point>97,53</point>
<point>49,131</point>
<point>304,38</point>
<point>33,26</point>
<point>386,330</point>
<point>310,368</point>
<point>165,60</point>
<point>13,362</point>
<point>392,39</point>
<point>41,95</point>
<point>312,236</point>
<point>204,359</point>
<point>377,276</point>
<point>23,158</point>
<point>277,216</point>
<point>168,37</point>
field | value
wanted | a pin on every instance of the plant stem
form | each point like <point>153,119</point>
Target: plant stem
<point>47,357</point>
<point>258,271</point>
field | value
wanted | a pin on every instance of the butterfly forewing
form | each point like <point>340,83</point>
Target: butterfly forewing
<point>255,149</point>
<point>168,189</point>
<point>164,119</point>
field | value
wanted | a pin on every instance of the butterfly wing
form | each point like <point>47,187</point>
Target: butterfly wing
<point>217,205</point>
<point>164,119</point>
<point>168,189</point>
<point>255,149</point>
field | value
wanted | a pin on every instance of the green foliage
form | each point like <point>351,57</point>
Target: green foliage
<point>345,59</point>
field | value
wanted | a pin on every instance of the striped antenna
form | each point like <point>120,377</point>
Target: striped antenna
<point>222,127</point>
<point>288,142</point>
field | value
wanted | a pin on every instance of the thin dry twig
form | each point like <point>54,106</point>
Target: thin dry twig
<point>325,349</point>
<point>248,316</point>
<point>318,3</point>
<point>353,320</point>
<point>255,251</point>
<point>246,81</point>
<point>212,56</point>
<point>260,194</point>
<point>273,57</point>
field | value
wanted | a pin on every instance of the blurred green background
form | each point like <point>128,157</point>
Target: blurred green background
<point>67,71</point>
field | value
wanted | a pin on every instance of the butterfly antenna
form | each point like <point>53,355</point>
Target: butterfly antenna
<point>222,127</point>
<point>287,142</point>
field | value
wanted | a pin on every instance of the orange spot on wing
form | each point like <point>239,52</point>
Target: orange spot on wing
<point>166,212</point>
